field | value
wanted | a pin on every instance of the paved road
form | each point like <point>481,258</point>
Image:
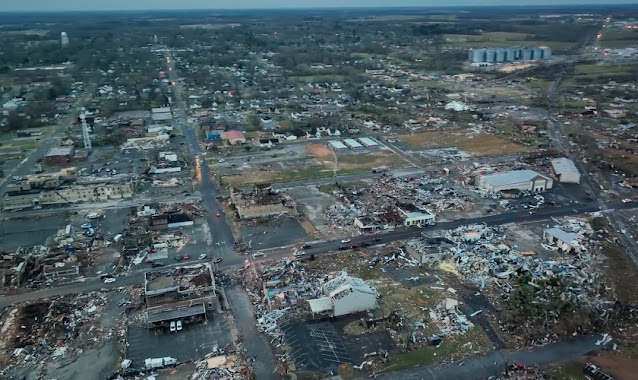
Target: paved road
<point>410,233</point>
<point>494,363</point>
<point>219,229</point>
<point>319,248</point>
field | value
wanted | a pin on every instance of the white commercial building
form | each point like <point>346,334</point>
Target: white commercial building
<point>368,142</point>
<point>352,143</point>
<point>418,219</point>
<point>337,145</point>
<point>565,170</point>
<point>344,295</point>
<point>522,180</point>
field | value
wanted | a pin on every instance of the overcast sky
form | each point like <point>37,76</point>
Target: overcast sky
<point>89,5</point>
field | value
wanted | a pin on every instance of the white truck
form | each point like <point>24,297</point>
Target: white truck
<point>159,362</point>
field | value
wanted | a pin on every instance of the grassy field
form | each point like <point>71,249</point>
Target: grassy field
<point>600,73</point>
<point>473,342</point>
<point>489,36</point>
<point>566,371</point>
<point>504,39</point>
<point>614,39</point>
<point>601,69</point>
<point>480,145</point>
<point>318,78</point>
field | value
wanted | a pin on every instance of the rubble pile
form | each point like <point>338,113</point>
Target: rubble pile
<point>480,254</point>
<point>222,365</point>
<point>385,197</point>
<point>450,321</point>
<point>58,327</point>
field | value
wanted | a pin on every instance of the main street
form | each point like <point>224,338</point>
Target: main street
<point>221,234</point>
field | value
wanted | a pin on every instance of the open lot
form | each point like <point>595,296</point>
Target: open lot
<point>303,162</point>
<point>480,145</point>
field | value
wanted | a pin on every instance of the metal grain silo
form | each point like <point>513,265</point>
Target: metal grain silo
<point>526,54</point>
<point>490,55</point>
<point>511,54</point>
<point>500,55</point>
<point>537,54</point>
<point>477,55</point>
<point>546,52</point>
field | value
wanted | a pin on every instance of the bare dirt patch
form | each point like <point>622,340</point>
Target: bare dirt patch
<point>481,144</point>
<point>319,151</point>
<point>622,368</point>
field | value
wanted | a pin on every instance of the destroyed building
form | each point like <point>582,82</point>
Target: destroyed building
<point>428,249</point>
<point>344,295</point>
<point>179,293</point>
<point>42,181</point>
<point>167,163</point>
<point>261,203</point>
<point>66,195</point>
<point>515,180</point>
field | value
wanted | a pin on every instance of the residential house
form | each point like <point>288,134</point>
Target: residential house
<point>234,137</point>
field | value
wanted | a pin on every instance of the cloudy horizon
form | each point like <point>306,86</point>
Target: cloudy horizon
<point>127,5</point>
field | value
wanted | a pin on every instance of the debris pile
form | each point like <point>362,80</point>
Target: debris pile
<point>220,364</point>
<point>59,327</point>
<point>387,200</point>
<point>450,321</point>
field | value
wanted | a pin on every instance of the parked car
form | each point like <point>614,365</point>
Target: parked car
<point>185,257</point>
<point>626,200</point>
<point>155,265</point>
<point>343,248</point>
<point>218,214</point>
<point>92,215</point>
<point>377,239</point>
<point>344,241</point>
<point>173,326</point>
<point>258,254</point>
<point>179,325</point>
<point>366,244</point>
<point>353,246</point>
<point>86,226</point>
<point>217,260</point>
<point>178,258</point>
<point>109,280</point>
<point>300,253</point>
<point>306,246</point>
<point>202,256</point>
<point>148,261</point>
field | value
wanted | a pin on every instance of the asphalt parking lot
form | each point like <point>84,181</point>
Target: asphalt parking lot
<point>192,343</point>
<point>322,345</point>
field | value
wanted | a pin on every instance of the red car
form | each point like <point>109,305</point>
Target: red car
<point>353,246</point>
<point>185,257</point>
<point>148,261</point>
<point>218,214</point>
